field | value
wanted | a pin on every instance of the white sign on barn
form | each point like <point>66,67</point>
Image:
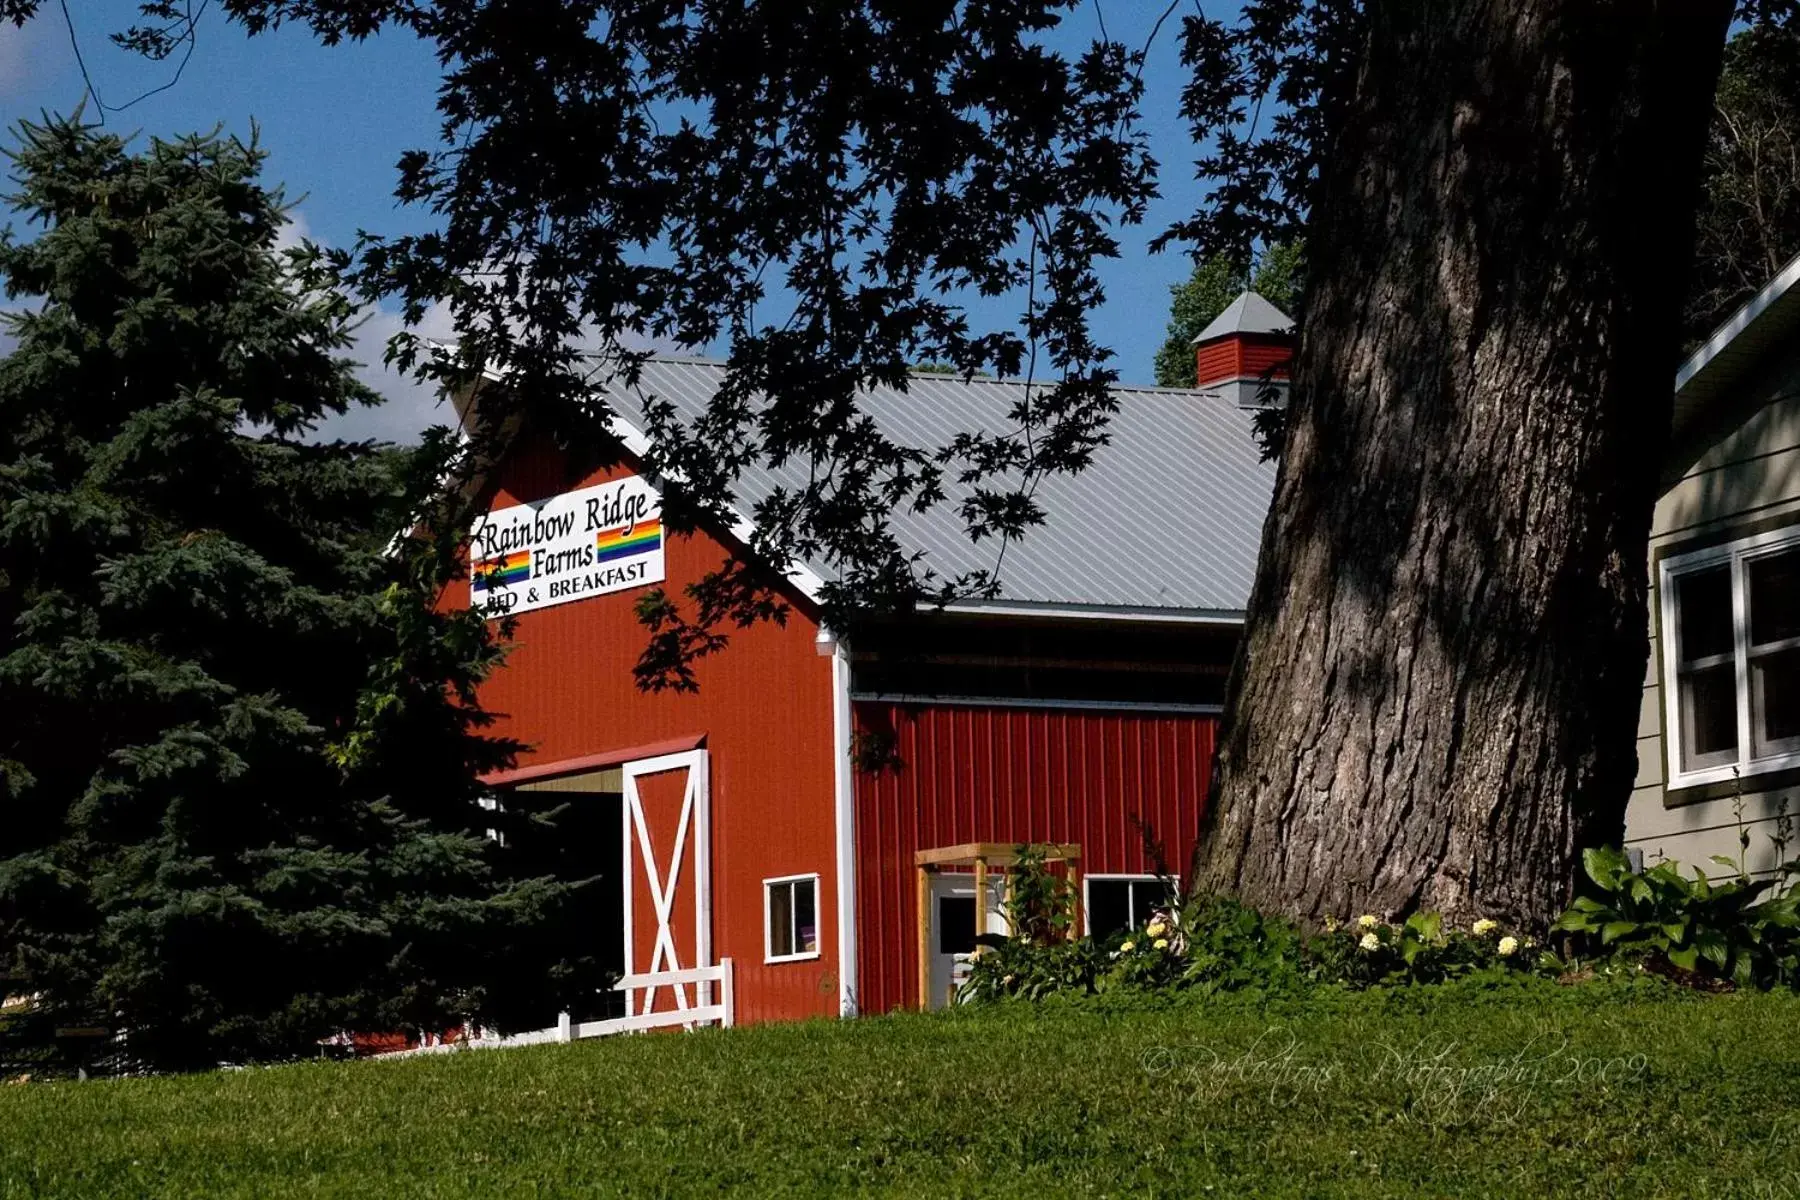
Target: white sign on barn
<point>588,542</point>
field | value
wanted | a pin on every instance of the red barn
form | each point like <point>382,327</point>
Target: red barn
<point>1080,708</point>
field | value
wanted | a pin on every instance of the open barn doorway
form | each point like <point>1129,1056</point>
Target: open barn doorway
<point>577,834</point>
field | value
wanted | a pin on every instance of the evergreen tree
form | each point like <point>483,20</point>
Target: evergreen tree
<point>239,756</point>
<point>1215,283</point>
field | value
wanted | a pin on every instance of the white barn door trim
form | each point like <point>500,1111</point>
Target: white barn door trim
<point>664,879</point>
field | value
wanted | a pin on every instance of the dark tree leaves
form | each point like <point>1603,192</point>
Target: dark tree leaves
<point>817,187</point>
<point>1749,220</point>
<point>240,751</point>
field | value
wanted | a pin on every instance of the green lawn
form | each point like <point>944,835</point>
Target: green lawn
<point>1526,1091</point>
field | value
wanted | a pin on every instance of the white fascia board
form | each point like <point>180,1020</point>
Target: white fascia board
<point>843,770</point>
<point>1742,319</point>
<point>743,529</point>
<point>637,443</point>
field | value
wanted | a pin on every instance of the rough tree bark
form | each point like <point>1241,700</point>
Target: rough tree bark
<point>1436,700</point>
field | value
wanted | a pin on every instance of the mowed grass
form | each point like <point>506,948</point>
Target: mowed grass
<point>1521,1091</point>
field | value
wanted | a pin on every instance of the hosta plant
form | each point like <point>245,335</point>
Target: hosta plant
<point>1735,928</point>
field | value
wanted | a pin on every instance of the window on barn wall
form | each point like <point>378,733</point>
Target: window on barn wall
<point>1116,903</point>
<point>1731,659</point>
<point>791,909</point>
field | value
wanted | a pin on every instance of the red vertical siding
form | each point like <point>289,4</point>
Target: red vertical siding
<point>1243,356</point>
<point>763,707</point>
<point>1219,360</point>
<point>999,774</point>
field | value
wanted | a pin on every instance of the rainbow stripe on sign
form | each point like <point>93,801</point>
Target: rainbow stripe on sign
<point>502,571</point>
<point>626,540</point>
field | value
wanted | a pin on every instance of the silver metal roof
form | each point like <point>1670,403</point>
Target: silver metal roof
<point>1249,313</point>
<point>1167,518</point>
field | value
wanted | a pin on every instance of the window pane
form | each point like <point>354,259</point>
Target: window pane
<point>1774,597</point>
<point>1709,716</point>
<point>1703,605</point>
<point>1775,701</point>
<point>1109,906</point>
<point>781,919</point>
<point>806,922</point>
<point>956,924</point>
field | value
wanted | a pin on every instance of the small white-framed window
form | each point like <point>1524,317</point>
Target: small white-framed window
<point>1115,903</point>
<point>1731,658</point>
<point>491,803</point>
<point>790,918</point>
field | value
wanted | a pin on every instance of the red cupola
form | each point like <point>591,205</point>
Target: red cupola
<point>1245,348</point>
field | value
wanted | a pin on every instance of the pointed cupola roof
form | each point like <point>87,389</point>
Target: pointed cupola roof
<point>1249,313</point>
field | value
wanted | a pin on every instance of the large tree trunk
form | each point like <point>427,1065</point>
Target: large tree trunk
<point>1436,701</point>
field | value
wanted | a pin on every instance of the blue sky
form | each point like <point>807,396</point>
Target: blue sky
<point>335,120</point>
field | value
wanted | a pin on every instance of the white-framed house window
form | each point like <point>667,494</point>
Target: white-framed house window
<point>1731,658</point>
<point>791,918</point>
<point>1114,903</point>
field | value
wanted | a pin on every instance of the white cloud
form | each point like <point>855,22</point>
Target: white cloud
<point>411,406</point>
<point>293,231</point>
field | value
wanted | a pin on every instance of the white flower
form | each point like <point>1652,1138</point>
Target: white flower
<point>1127,947</point>
<point>1485,926</point>
<point>1007,980</point>
<point>1155,928</point>
<point>1507,946</point>
<point>1160,944</point>
<point>1368,920</point>
<point>1370,942</point>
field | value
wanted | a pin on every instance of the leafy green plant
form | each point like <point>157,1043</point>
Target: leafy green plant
<point>1039,958</point>
<point>1731,929</point>
<point>1420,949</point>
<point>1144,959</point>
<point>1031,971</point>
<point>1040,905</point>
<point>1230,947</point>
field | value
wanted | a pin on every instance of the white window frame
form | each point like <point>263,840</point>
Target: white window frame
<point>1087,910</point>
<point>768,886</point>
<point>1738,554</point>
<point>491,803</point>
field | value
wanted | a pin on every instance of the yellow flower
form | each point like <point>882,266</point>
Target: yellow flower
<point>1485,926</point>
<point>1370,942</point>
<point>1331,924</point>
<point>1155,928</point>
<point>1127,947</point>
<point>1368,920</point>
<point>1160,944</point>
<point>1507,946</point>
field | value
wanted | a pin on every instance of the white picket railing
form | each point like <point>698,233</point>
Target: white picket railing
<point>705,1011</point>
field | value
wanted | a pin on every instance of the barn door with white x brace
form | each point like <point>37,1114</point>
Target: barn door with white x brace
<point>668,876</point>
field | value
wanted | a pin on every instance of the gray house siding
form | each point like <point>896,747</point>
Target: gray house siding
<point>1739,479</point>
